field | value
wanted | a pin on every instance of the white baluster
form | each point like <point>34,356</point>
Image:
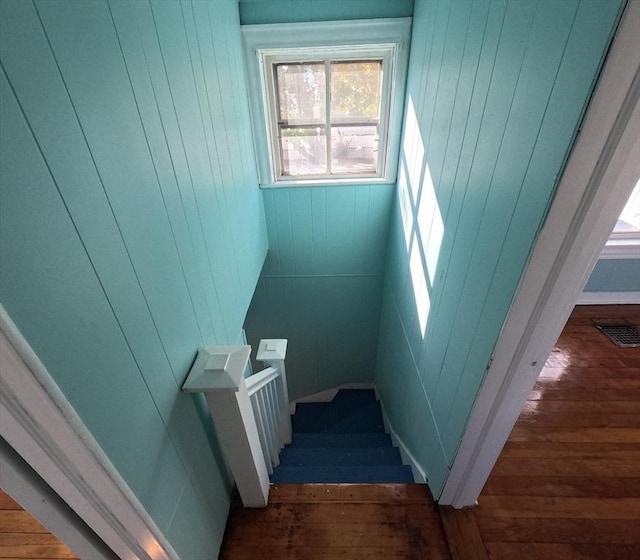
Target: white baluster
<point>259,416</point>
<point>272,353</point>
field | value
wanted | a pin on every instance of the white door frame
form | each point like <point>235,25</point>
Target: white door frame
<point>38,422</point>
<point>599,177</point>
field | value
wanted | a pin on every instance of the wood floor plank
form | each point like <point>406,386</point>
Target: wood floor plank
<point>544,551</point>
<point>378,493</point>
<point>344,512</point>
<point>569,466</point>
<point>39,551</point>
<point>588,372</point>
<point>244,552</point>
<point>562,486</point>
<point>337,534</point>
<point>7,502</point>
<point>338,521</point>
<point>581,407</point>
<point>609,435</point>
<point>570,449</point>
<point>551,507</point>
<point>463,536</point>
<point>613,531</point>
<point>15,539</point>
<point>17,521</point>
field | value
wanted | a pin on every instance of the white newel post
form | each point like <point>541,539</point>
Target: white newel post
<point>272,352</point>
<point>218,372</point>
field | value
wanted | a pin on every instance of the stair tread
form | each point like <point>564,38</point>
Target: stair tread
<point>342,419</point>
<point>356,439</point>
<point>354,397</point>
<point>330,456</point>
<point>364,418</point>
<point>345,474</point>
<point>306,415</point>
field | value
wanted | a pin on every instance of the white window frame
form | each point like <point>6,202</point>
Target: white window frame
<point>383,39</point>
<point>386,54</point>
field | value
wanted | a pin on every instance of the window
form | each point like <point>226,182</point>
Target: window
<point>328,112</point>
<point>629,221</point>
<point>327,117</point>
<point>624,241</point>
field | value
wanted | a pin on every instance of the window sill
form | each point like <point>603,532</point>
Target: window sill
<point>622,248</point>
<point>328,183</point>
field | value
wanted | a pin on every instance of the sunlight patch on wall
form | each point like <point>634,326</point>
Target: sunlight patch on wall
<point>413,149</point>
<point>430,225</point>
<point>420,288</point>
<point>405,204</point>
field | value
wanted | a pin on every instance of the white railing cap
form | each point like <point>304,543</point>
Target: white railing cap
<point>261,379</point>
<point>272,349</point>
<point>217,367</point>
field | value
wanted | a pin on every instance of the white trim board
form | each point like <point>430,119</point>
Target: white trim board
<point>621,248</point>
<point>38,422</point>
<point>609,298</point>
<point>600,174</point>
<point>419,474</point>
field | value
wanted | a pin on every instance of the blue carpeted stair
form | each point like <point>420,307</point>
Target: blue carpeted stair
<point>341,441</point>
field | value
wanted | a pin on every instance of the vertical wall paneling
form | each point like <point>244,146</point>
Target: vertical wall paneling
<point>132,228</point>
<point>495,93</point>
<point>321,285</point>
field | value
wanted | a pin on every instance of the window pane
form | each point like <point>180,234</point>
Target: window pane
<point>355,90</point>
<point>304,151</point>
<point>629,220</point>
<point>301,92</point>
<point>354,149</point>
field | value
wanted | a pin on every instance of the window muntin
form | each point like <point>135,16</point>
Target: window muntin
<point>327,116</point>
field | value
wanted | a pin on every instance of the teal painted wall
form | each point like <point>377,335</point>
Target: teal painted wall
<point>321,286</point>
<point>290,11</point>
<point>132,228</point>
<point>495,92</point>
<point>615,275</point>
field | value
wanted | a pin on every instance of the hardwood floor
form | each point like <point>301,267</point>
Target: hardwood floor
<point>338,521</point>
<point>21,536</point>
<point>567,484</point>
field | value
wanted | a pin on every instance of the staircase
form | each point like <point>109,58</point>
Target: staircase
<point>341,441</point>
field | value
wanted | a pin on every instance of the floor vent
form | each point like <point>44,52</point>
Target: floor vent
<point>624,335</point>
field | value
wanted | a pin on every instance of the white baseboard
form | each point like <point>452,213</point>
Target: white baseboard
<point>419,474</point>
<point>608,298</point>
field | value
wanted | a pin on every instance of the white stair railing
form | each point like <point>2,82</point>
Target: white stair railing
<point>251,415</point>
<point>266,410</point>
